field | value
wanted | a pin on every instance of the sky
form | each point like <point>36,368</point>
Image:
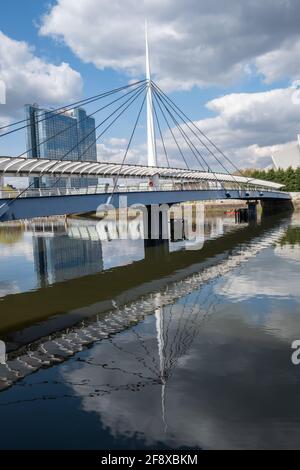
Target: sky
<point>232,66</point>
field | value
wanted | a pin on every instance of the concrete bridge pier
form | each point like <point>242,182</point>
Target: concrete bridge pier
<point>177,229</point>
<point>276,206</point>
<point>248,214</point>
<point>252,211</point>
<point>156,220</point>
<point>161,244</point>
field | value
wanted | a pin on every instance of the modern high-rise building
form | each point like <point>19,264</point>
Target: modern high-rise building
<point>58,135</point>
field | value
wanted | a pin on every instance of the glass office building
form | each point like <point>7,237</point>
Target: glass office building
<point>62,135</point>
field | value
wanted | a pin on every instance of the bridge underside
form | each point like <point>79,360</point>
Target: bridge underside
<point>30,207</point>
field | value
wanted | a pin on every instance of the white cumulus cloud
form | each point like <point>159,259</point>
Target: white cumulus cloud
<point>192,42</point>
<point>29,78</point>
<point>248,127</point>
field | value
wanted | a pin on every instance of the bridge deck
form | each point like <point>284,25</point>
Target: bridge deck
<point>36,206</point>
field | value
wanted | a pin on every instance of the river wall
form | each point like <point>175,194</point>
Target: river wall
<point>296,200</point>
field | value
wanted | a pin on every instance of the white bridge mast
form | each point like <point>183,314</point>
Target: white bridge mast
<point>152,155</point>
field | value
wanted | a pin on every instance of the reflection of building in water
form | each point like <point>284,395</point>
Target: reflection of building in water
<point>60,258</point>
<point>63,252</point>
<point>115,252</point>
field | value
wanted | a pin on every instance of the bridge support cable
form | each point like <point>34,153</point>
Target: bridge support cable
<point>80,121</point>
<point>74,105</point>
<point>231,163</point>
<point>189,142</point>
<point>172,133</point>
<point>210,152</point>
<point>161,135</point>
<point>127,149</point>
<point>185,137</point>
<point>162,138</point>
<point>131,100</point>
<point>198,129</point>
<point>163,100</point>
<point>137,94</point>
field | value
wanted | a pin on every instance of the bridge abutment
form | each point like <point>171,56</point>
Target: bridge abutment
<point>276,206</point>
<point>248,214</point>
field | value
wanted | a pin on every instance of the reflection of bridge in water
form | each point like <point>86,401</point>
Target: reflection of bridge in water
<point>59,346</point>
<point>139,271</point>
<point>70,249</point>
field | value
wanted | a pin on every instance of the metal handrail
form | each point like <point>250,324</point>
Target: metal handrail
<point>107,189</point>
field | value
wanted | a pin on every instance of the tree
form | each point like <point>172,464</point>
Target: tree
<point>290,177</point>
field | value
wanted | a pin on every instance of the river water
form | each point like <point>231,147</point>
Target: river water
<point>111,345</point>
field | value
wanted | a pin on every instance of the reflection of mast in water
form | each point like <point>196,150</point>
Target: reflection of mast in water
<point>174,345</point>
<point>2,353</point>
<point>159,317</point>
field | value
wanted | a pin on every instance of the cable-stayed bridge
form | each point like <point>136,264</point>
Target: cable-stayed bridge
<point>206,172</point>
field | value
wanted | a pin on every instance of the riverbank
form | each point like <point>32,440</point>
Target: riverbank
<point>296,200</point>
<point>220,207</point>
<point>223,206</point>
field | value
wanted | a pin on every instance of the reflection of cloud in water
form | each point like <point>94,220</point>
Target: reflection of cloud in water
<point>135,368</point>
<point>9,287</point>
<point>200,406</point>
<point>22,248</point>
<point>295,221</point>
<point>266,279</point>
<point>288,252</point>
<point>286,327</point>
<point>263,278</point>
<point>17,266</point>
<point>122,252</point>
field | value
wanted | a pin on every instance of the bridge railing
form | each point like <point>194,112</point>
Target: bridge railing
<point>122,188</point>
